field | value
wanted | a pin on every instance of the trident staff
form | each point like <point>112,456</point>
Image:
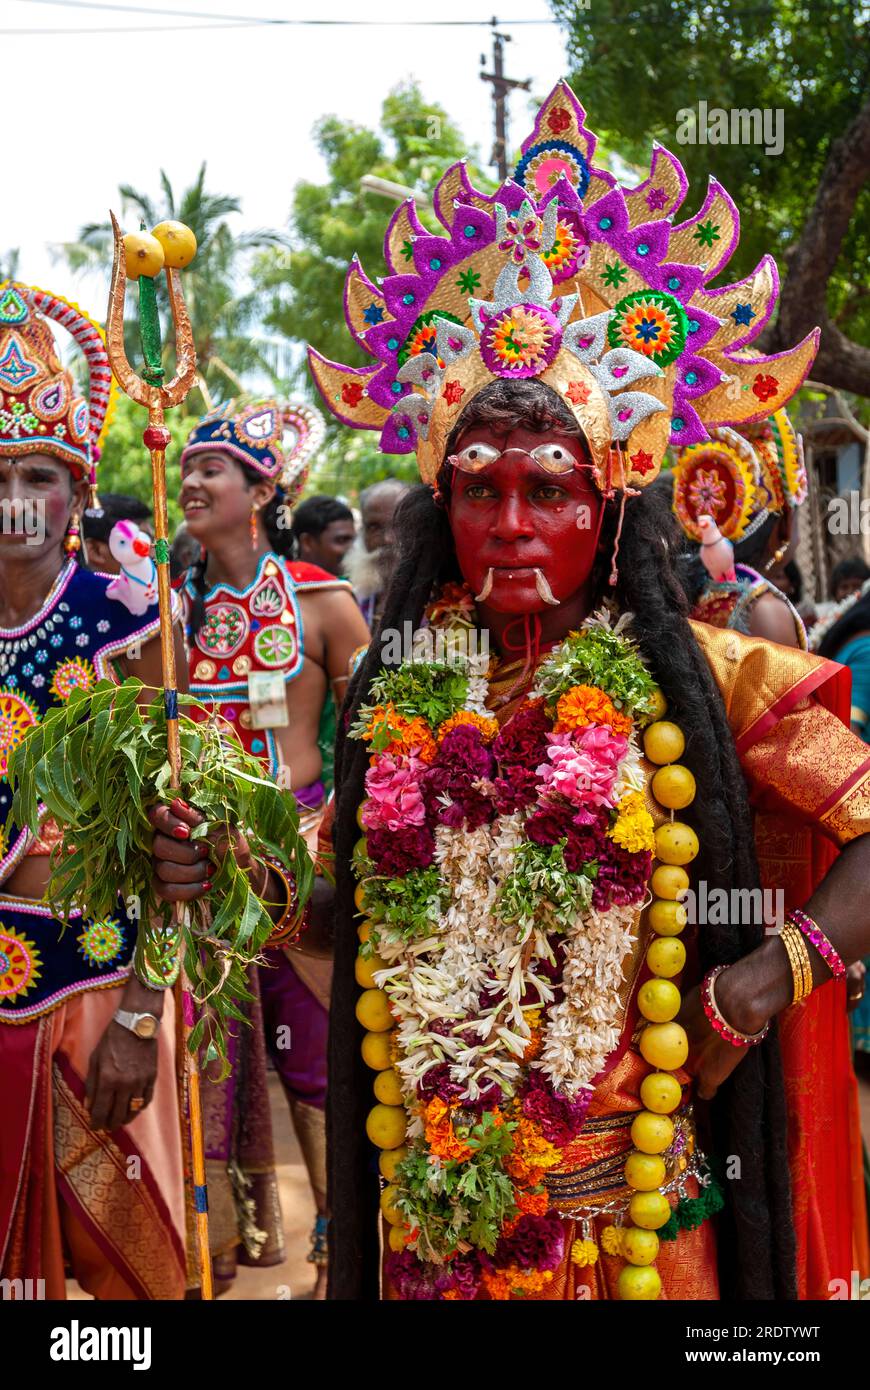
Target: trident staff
<point>142,256</point>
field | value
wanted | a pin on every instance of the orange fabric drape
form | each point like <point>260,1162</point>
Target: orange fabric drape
<point>809,785</point>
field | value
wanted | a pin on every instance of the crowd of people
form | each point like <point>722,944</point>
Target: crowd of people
<point>522,1060</point>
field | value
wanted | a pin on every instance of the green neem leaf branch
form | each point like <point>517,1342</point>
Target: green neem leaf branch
<point>97,764</point>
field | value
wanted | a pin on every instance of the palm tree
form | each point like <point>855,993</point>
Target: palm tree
<point>224,311</point>
<point>9,261</point>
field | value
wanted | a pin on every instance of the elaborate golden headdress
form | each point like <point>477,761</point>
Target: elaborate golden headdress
<point>41,409</point>
<point>565,276</point>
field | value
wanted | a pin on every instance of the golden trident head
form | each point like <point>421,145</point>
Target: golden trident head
<point>149,389</point>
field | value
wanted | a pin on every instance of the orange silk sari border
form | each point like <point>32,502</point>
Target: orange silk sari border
<point>124,1215</point>
<point>810,683</point>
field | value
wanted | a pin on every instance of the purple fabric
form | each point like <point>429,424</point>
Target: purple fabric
<point>287,1003</point>
<point>311,797</point>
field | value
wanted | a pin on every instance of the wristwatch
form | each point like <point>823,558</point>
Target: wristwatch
<point>143,1025</point>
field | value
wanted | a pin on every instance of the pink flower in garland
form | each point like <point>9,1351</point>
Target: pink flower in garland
<point>583,765</point>
<point>622,877</point>
<point>394,797</point>
<point>537,1242</point>
<point>559,1120</point>
<point>519,749</point>
<point>397,852</point>
<point>457,785</point>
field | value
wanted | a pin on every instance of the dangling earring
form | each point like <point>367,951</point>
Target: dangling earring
<point>255,535</point>
<point>775,558</point>
<point>71,541</point>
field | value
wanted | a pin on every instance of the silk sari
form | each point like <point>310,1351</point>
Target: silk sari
<point>110,1206</point>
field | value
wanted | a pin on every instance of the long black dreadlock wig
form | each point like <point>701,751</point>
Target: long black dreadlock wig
<point>748,1116</point>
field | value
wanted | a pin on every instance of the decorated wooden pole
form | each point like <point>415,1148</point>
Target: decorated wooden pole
<point>143,256</point>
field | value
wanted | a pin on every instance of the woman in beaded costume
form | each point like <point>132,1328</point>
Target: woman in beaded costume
<point>270,640</point>
<point>87,1042</point>
<point>496,968</point>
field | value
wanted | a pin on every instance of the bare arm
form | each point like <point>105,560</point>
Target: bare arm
<point>342,630</point>
<point>759,986</point>
<point>772,618</point>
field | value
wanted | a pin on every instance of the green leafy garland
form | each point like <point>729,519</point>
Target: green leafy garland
<point>98,763</point>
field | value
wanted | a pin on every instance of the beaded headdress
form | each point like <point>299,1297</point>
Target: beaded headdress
<point>740,478</point>
<point>276,440</point>
<point>41,408</point>
<point>566,276</point>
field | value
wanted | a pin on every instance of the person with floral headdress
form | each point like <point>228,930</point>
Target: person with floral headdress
<point>87,1035</point>
<point>516,1079</point>
<point>270,640</point>
<point>736,497</point>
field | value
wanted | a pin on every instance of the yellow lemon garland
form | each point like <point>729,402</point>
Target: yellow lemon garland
<point>663,1042</point>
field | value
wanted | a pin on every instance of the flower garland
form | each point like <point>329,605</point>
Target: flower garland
<point>501,875</point>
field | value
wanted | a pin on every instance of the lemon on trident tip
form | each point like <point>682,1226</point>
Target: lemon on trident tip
<point>669,881</point>
<point>664,1045</point>
<point>651,1133</point>
<point>388,1087</point>
<point>644,1172</point>
<point>386,1126</point>
<point>178,242</point>
<point>676,843</point>
<point>658,1001</point>
<point>663,742</point>
<point>143,255</point>
<point>667,918</point>
<point>674,787</point>
<point>666,956</point>
<point>373,1011</point>
<point>638,1246</point>
<point>397,1238</point>
<point>388,1205</point>
<point>637,1282</point>
<point>364,969</point>
<point>649,1210</point>
<point>376,1050</point>
<point>390,1159</point>
<point>661,1092</point>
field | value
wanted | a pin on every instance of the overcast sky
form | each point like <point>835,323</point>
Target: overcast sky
<point>85,111</point>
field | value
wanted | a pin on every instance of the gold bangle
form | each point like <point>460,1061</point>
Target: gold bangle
<point>797,974</point>
<point>282,933</point>
<point>795,957</point>
<point>799,959</point>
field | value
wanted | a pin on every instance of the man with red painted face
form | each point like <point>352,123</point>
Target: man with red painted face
<point>529,1014</point>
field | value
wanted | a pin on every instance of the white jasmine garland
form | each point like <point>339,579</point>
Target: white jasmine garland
<point>439,987</point>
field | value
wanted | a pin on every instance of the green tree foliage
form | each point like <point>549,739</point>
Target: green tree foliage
<point>333,221</point>
<point>225,310</point>
<point>638,63</point>
<point>330,223</point>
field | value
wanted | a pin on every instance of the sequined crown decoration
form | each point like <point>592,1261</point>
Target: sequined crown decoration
<point>41,408</point>
<point>304,431</point>
<point>276,440</point>
<point>566,276</point>
<point>740,478</point>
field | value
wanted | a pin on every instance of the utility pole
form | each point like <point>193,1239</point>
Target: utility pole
<point>501,85</point>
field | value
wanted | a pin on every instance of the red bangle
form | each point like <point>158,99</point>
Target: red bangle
<point>715,1019</point>
<point>814,934</point>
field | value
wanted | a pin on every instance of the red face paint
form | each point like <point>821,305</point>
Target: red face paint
<point>514,518</point>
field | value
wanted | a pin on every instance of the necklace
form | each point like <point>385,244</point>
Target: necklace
<point>501,873</point>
